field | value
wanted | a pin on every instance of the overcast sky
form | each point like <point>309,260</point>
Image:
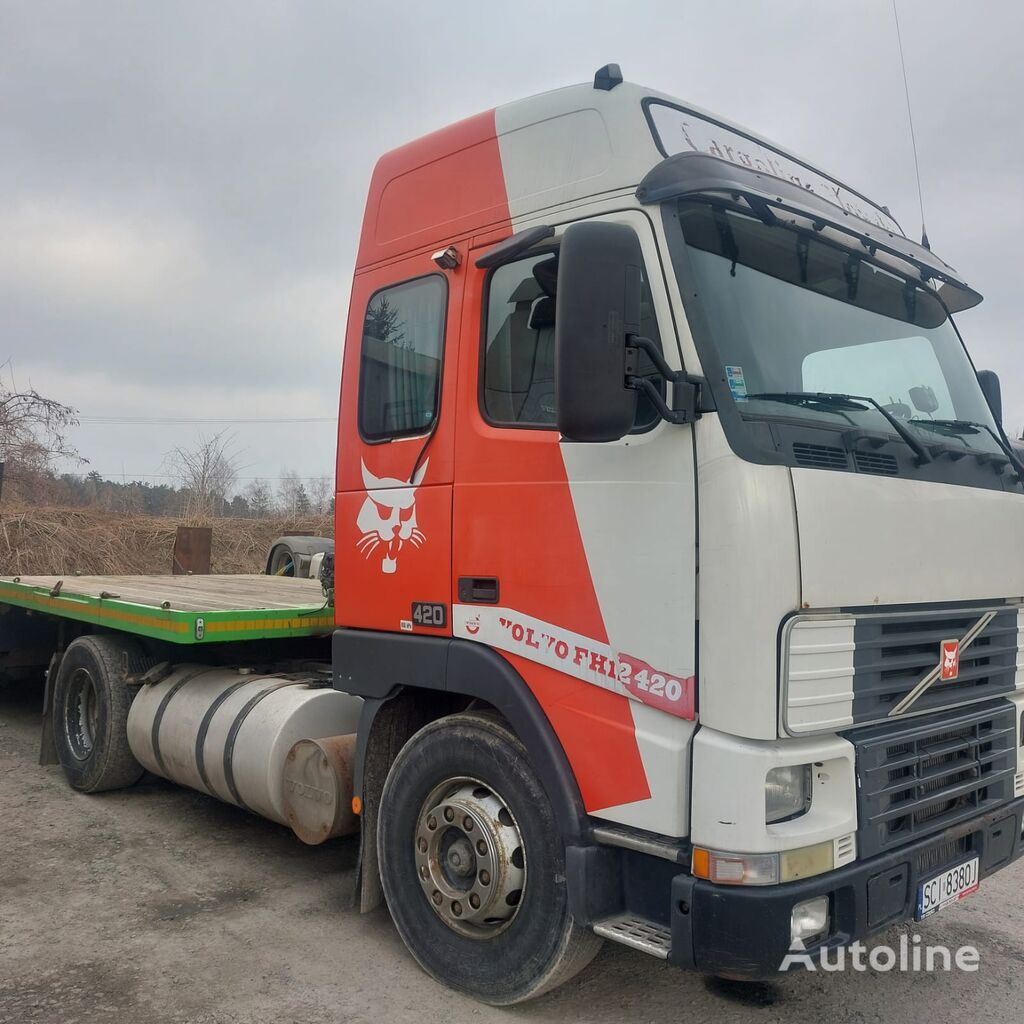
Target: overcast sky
<point>181,184</point>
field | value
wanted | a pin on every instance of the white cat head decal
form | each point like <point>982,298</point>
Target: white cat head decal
<point>388,516</point>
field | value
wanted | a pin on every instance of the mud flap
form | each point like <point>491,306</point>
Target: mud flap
<point>386,727</point>
<point>47,747</point>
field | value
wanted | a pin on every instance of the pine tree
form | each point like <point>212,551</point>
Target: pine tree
<point>259,498</point>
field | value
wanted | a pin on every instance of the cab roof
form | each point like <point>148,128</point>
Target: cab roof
<point>512,162</point>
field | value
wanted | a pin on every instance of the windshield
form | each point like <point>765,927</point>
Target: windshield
<point>791,316</point>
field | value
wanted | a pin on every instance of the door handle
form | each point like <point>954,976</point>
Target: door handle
<point>478,589</point>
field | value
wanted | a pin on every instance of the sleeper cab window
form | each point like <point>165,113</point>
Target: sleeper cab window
<point>400,362</point>
<point>518,386</point>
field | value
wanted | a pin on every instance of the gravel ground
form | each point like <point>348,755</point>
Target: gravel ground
<point>160,905</point>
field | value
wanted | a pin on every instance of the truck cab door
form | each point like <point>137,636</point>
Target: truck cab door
<point>393,514</point>
<point>577,561</point>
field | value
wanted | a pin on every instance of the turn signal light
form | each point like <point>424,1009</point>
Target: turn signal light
<point>762,868</point>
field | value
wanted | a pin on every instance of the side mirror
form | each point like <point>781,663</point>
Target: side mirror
<point>989,382</point>
<point>597,304</point>
<point>924,399</point>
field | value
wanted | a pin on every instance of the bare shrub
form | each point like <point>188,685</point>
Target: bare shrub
<point>33,433</point>
<point>60,541</point>
<point>321,494</point>
<point>206,473</point>
<point>289,489</point>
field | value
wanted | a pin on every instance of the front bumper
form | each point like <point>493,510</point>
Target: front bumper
<point>745,931</point>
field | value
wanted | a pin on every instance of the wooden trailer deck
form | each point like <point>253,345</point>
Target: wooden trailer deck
<point>182,609</point>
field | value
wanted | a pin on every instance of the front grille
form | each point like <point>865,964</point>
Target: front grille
<point>921,776</point>
<point>944,853</point>
<point>820,456</point>
<point>893,652</point>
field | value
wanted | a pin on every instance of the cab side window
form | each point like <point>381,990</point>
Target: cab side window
<point>518,387</point>
<point>519,357</point>
<point>400,363</point>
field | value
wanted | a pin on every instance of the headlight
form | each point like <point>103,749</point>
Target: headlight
<point>787,793</point>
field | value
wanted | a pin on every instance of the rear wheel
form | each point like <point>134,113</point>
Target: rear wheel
<point>472,865</point>
<point>90,713</point>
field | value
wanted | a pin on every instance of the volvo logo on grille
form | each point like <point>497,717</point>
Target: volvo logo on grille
<point>949,667</point>
<point>949,663</point>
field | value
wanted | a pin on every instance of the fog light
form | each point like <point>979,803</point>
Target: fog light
<point>809,921</point>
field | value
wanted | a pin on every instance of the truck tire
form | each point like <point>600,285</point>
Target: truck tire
<point>472,865</point>
<point>90,713</point>
<point>281,561</point>
<point>291,556</point>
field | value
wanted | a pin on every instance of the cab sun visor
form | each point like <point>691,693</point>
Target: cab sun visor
<point>771,198</point>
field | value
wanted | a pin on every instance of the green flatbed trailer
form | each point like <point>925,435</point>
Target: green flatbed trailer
<point>190,610</point>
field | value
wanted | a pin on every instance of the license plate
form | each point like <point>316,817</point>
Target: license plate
<point>952,885</point>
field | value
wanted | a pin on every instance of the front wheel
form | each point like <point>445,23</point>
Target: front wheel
<point>472,865</point>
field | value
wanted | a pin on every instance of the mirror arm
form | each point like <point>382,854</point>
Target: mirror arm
<point>689,391</point>
<point>671,415</point>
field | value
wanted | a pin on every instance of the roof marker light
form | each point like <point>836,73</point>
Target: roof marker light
<point>608,77</point>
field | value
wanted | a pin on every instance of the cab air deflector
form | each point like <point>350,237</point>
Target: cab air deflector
<point>766,196</point>
<point>512,246</point>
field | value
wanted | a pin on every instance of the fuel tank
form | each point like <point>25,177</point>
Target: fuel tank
<point>228,731</point>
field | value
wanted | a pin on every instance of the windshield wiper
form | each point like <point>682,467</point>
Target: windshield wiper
<point>849,402</point>
<point>841,402</point>
<point>970,426</point>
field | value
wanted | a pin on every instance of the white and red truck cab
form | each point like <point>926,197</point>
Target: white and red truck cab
<point>662,441</point>
<point>670,577</point>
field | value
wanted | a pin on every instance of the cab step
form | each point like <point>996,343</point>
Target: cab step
<point>638,932</point>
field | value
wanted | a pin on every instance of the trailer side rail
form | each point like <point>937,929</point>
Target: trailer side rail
<point>179,609</point>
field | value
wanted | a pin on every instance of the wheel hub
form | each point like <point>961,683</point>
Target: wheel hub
<point>82,714</point>
<point>470,858</point>
<point>461,859</point>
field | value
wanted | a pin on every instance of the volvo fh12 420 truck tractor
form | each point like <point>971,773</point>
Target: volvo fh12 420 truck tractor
<point>671,603</point>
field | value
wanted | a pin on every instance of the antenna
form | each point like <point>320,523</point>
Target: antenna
<point>910,118</point>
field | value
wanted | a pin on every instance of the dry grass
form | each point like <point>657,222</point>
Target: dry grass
<point>58,541</point>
